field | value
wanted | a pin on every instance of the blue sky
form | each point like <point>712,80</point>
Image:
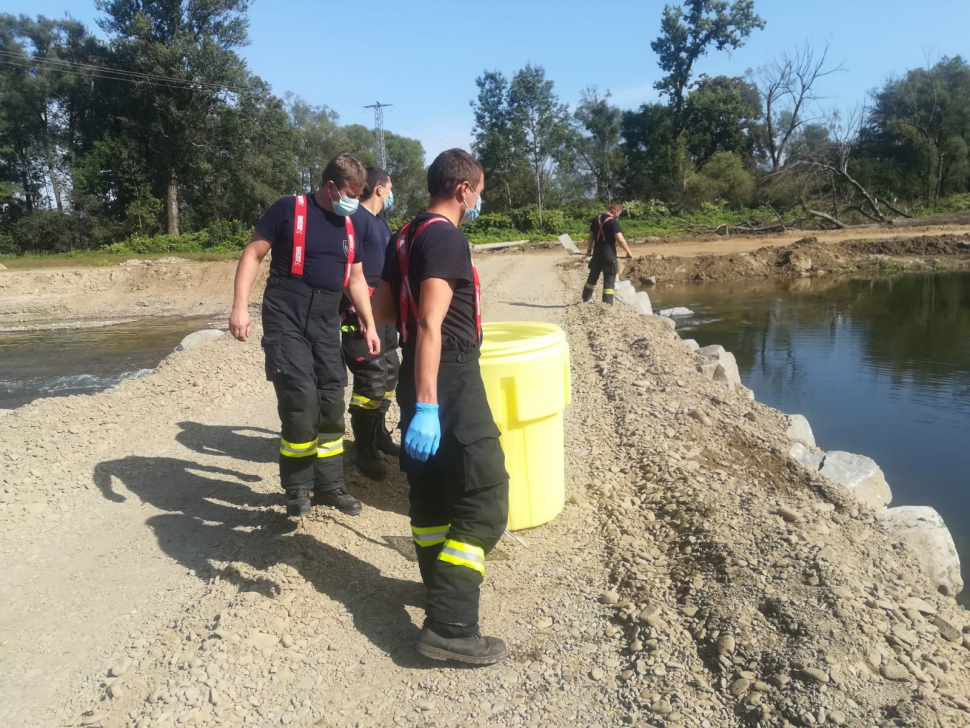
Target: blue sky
<point>423,57</point>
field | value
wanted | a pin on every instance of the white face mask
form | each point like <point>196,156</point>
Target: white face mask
<point>344,206</point>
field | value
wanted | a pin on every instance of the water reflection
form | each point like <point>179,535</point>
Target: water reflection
<point>879,367</point>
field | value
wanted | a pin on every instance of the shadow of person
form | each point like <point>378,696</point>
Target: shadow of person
<point>249,444</point>
<point>211,517</point>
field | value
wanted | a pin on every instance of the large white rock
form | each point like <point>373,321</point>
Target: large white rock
<point>800,431</point>
<point>625,291</point>
<point>811,459</point>
<point>677,311</point>
<point>923,530</point>
<point>198,338</point>
<point>860,475</point>
<point>641,302</point>
<point>691,345</point>
<point>726,370</point>
<point>3,267</point>
<point>671,324</point>
<point>711,352</point>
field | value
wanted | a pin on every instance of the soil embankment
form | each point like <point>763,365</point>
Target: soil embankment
<point>697,577</point>
<point>167,287</point>
<point>809,257</point>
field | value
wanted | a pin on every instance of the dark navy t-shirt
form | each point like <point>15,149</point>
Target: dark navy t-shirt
<point>440,251</point>
<point>373,235</point>
<point>326,242</point>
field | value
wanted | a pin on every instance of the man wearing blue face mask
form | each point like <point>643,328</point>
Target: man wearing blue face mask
<point>375,377</point>
<point>459,489</point>
<point>315,260</point>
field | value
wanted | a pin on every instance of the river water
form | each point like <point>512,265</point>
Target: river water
<point>62,361</point>
<point>880,368</point>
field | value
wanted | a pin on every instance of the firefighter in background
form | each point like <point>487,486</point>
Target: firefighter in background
<point>604,234</point>
<point>375,377</point>
<point>459,489</point>
<point>314,263</point>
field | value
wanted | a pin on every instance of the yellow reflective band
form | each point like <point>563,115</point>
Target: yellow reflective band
<point>388,395</point>
<point>359,400</point>
<point>607,291</point>
<point>350,329</point>
<point>429,536</point>
<point>463,554</point>
<point>329,449</point>
<point>297,449</point>
<point>590,286</point>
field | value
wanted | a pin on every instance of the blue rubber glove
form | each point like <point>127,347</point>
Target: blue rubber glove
<point>424,433</point>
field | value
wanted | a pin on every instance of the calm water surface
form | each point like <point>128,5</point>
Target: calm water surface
<point>880,368</point>
<point>60,362</point>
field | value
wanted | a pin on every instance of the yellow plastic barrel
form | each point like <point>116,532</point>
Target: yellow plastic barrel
<point>525,367</point>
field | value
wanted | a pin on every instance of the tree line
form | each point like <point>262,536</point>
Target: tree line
<point>162,129</point>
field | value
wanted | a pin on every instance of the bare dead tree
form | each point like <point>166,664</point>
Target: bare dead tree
<point>788,91</point>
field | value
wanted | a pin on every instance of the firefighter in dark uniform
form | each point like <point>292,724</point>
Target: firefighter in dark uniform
<point>455,466</point>
<point>604,234</point>
<point>314,262</point>
<point>375,377</point>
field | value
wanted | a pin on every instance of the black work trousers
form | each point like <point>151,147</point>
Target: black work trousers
<point>375,377</point>
<point>460,496</point>
<point>301,339</point>
<point>608,266</point>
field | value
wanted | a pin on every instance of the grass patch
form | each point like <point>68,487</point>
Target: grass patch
<point>94,259</point>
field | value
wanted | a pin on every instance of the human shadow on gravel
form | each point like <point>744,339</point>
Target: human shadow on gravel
<point>213,517</point>
<point>249,444</point>
<point>538,305</point>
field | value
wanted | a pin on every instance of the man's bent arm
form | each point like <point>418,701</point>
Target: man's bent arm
<point>622,241</point>
<point>436,295</point>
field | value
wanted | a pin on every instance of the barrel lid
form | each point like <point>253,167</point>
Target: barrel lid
<point>510,338</point>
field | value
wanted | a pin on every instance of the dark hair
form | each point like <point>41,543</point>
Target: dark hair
<point>450,169</point>
<point>344,170</point>
<point>376,177</point>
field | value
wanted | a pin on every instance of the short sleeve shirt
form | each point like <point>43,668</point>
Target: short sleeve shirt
<point>440,251</point>
<point>373,235</point>
<point>325,257</point>
<point>605,242</point>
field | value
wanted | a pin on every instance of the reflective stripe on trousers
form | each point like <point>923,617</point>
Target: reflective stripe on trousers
<point>298,449</point>
<point>429,536</point>
<point>463,554</point>
<point>329,449</point>
<point>359,400</point>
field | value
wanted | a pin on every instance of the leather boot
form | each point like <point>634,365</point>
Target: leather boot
<point>473,650</point>
<point>384,442</point>
<point>298,502</point>
<point>366,457</point>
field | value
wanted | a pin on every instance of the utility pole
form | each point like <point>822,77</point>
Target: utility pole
<point>378,108</point>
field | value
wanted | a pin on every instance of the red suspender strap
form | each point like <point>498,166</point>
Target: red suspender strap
<point>478,301</point>
<point>351,247</point>
<point>407,304</point>
<point>299,236</point>
<point>603,219</point>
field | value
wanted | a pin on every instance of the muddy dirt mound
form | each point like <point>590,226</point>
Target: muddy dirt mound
<point>808,257</point>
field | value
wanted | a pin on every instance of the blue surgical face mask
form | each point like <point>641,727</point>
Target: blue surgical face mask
<point>389,202</point>
<point>472,213</point>
<point>344,206</point>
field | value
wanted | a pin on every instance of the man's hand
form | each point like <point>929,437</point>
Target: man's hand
<point>589,253</point>
<point>424,433</point>
<point>373,341</point>
<point>240,324</point>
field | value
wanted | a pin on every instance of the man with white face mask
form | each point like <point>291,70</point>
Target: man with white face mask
<point>375,377</point>
<point>314,262</point>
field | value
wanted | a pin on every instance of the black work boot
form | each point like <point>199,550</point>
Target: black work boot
<point>298,502</point>
<point>341,500</point>
<point>366,457</point>
<point>473,650</point>
<point>384,442</point>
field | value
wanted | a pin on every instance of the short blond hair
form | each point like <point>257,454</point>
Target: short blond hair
<point>345,170</point>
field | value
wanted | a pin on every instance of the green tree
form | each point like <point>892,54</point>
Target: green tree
<point>405,164</point>
<point>687,33</point>
<point>192,42</point>
<point>650,154</point>
<point>722,115</point>
<point>542,126</point>
<point>498,140</point>
<point>598,142</point>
